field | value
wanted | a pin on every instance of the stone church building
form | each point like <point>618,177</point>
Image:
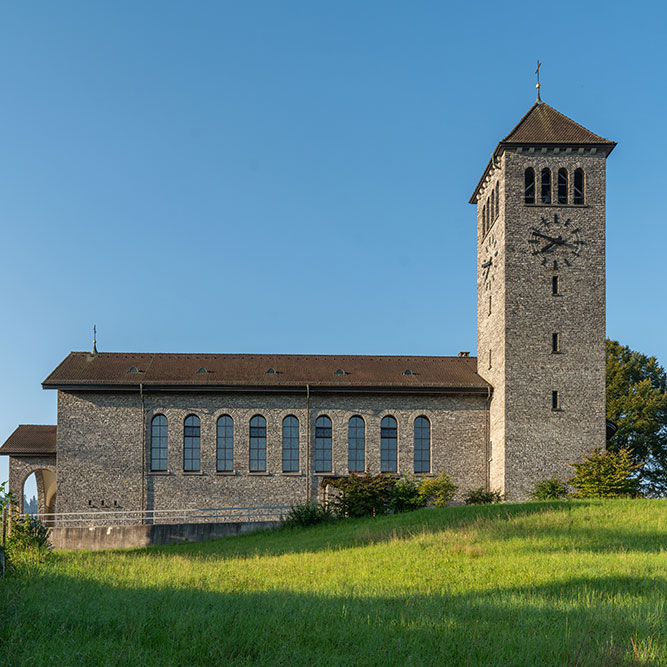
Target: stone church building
<point>160,431</point>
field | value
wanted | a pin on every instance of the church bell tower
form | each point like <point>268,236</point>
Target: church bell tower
<point>541,298</point>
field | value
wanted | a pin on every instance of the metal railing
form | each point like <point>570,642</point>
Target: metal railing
<point>152,517</point>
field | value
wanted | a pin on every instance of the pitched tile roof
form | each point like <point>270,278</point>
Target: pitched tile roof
<point>544,125</point>
<point>30,440</point>
<point>109,371</point>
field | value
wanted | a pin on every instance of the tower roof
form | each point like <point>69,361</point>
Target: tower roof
<point>543,126</point>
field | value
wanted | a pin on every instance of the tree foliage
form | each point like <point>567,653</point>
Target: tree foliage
<point>637,404</point>
<point>549,489</point>
<point>439,490</point>
<point>606,474</point>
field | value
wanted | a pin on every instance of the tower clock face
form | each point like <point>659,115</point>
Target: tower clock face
<point>489,261</point>
<point>555,239</point>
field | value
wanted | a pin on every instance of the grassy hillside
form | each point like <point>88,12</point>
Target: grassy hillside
<point>570,583</point>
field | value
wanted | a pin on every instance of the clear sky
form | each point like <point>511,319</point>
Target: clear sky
<point>294,176</point>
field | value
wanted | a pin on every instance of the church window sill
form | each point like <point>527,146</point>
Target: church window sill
<point>193,473</point>
<point>260,473</point>
<point>227,473</point>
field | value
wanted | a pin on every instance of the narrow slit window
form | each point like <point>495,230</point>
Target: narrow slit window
<point>489,305</point>
<point>562,186</point>
<point>490,358</point>
<point>546,186</point>
<point>555,342</point>
<point>555,286</point>
<point>579,186</point>
<point>555,400</point>
<point>529,189</point>
<point>497,211</point>
<point>493,207</point>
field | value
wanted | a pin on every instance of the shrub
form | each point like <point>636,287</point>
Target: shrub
<point>549,489</point>
<point>363,495</point>
<point>606,474</point>
<point>308,514</point>
<point>29,539</point>
<point>439,490</point>
<point>482,497</point>
<point>406,496</point>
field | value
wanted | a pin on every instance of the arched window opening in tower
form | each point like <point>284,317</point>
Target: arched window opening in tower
<point>579,186</point>
<point>497,199</point>
<point>159,443</point>
<point>529,188</point>
<point>562,186</point>
<point>191,444</point>
<point>546,186</point>
<point>493,207</point>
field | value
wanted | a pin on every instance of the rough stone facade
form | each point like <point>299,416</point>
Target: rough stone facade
<point>529,439</point>
<point>101,436</point>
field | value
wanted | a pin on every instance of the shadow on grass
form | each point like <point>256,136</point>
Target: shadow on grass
<point>57,619</point>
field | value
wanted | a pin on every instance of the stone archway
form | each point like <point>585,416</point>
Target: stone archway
<point>44,468</point>
<point>46,491</point>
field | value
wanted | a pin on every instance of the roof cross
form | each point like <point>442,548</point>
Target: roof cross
<point>537,71</point>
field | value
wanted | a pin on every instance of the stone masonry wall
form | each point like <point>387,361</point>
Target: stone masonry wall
<point>100,438</point>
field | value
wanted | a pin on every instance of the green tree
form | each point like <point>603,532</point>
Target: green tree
<point>606,474</point>
<point>637,404</point>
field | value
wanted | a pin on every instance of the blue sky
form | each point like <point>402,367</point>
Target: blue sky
<point>294,176</point>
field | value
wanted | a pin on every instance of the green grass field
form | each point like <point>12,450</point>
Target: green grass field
<point>563,583</point>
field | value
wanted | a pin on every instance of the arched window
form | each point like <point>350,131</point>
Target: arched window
<point>388,445</point>
<point>562,186</point>
<point>484,220</point>
<point>492,210</point>
<point>529,187</point>
<point>422,445</point>
<point>323,444</point>
<point>159,443</point>
<point>258,444</point>
<point>497,198</point>
<point>356,445</point>
<point>546,186</point>
<point>225,444</point>
<point>579,186</point>
<point>290,444</point>
<point>191,444</point>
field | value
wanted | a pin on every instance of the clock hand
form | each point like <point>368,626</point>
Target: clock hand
<point>549,245</point>
<point>487,263</point>
<point>543,236</point>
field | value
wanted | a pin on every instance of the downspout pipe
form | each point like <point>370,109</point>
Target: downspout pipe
<point>487,439</point>
<point>143,452</point>
<point>308,481</point>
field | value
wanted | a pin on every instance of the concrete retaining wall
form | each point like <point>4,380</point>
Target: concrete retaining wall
<point>70,538</point>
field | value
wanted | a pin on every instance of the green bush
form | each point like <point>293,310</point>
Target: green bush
<point>549,489</point>
<point>29,539</point>
<point>482,497</point>
<point>439,490</point>
<point>308,514</point>
<point>406,496</point>
<point>363,495</point>
<point>606,474</point>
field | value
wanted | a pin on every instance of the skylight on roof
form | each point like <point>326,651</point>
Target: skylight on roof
<point>272,371</point>
<point>202,371</point>
<point>340,371</point>
<point>407,371</point>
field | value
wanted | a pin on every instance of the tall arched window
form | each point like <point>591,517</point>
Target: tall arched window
<point>356,445</point>
<point>323,444</point>
<point>225,444</point>
<point>497,198</point>
<point>159,443</point>
<point>484,220</point>
<point>562,186</point>
<point>546,186</point>
<point>258,444</point>
<point>388,445</point>
<point>290,444</point>
<point>492,210</point>
<point>579,186</point>
<point>422,445</point>
<point>529,186</point>
<point>191,444</point>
